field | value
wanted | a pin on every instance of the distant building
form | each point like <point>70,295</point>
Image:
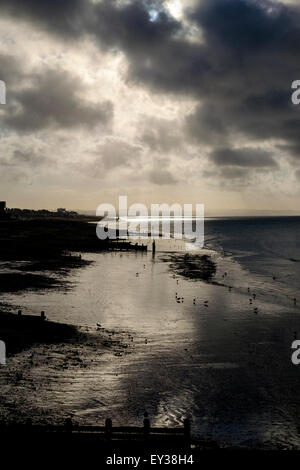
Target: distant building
<point>3,212</point>
<point>15,213</point>
<point>61,210</point>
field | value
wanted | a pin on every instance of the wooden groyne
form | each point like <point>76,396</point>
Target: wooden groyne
<point>109,436</point>
<point>146,434</point>
<point>125,245</point>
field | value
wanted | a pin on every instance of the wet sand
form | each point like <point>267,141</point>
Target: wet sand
<point>41,354</point>
<point>192,347</point>
<point>20,332</point>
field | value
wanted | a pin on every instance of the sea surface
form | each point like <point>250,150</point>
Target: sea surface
<point>218,352</point>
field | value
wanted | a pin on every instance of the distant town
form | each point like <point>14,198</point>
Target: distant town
<point>15,213</point>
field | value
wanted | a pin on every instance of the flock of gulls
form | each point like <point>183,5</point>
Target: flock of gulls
<point>180,300</point>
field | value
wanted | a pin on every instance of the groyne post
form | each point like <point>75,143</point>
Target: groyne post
<point>187,429</point>
<point>29,423</point>
<point>69,425</point>
<point>108,428</point>
<point>146,424</point>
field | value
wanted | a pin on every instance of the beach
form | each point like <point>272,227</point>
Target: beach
<point>188,345</point>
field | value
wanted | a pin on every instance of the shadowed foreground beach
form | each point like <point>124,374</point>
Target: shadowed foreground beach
<point>178,335</point>
<point>173,345</point>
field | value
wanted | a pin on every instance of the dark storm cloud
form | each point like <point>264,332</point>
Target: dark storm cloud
<point>129,26</point>
<point>52,100</point>
<point>65,17</point>
<point>205,125</point>
<point>253,46</point>
<point>240,73</point>
<point>242,25</point>
<point>158,55</point>
<point>245,157</point>
<point>293,149</point>
<point>116,23</point>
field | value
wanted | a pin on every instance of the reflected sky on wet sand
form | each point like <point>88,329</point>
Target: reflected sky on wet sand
<point>198,350</point>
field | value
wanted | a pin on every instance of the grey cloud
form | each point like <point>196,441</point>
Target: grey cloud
<point>10,69</point>
<point>160,135</point>
<point>114,154</point>
<point>234,173</point>
<point>65,17</point>
<point>205,126</point>
<point>240,74</point>
<point>128,25</point>
<point>161,177</point>
<point>244,157</point>
<point>293,149</point>
<point>230,177</point>
<point>297,174</point>
<point>12,175</point>
<point>155,51</point>
<point>52,100</point>
<point>245,25</point>
<point>26,158</point>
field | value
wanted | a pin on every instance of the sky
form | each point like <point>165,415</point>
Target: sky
<point>165,101</point>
